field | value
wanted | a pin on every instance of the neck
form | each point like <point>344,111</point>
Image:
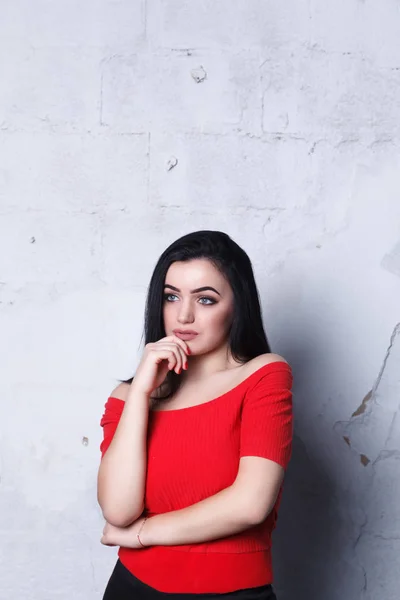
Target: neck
<point>205,365</point>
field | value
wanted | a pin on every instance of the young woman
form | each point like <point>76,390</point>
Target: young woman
<point>196,444</point>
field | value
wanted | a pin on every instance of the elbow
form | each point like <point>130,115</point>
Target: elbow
<point>258,516</point>
<point>258,511</point>
<point>252,509</point>
<point>115,510</point>
<point>117,514</point>
<point>119,518</point>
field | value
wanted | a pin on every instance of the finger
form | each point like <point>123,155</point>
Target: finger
<point>169,354</point>
<point>181,343</point>
<point>106,542</point>
<point>179,354</point>
<point>181,357</point>
<point>183,348</point>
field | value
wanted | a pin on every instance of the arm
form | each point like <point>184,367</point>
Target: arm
<point>122,472</point>
<point>265,449</point>
<point>247,502</point>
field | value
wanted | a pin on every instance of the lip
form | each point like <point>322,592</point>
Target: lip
<point>185,335</point>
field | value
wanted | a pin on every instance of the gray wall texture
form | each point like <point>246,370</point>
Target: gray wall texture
<point>124,125</point>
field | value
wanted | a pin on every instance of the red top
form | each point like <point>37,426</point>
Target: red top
<point>194,453</point>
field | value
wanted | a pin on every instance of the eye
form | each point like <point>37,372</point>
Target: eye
<point>167,296</point>
<point>210,301</point>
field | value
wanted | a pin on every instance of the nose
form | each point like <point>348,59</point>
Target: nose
<point>185,313</point>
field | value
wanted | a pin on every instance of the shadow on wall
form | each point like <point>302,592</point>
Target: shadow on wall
<point>338,534</point>
<point>306,532</point>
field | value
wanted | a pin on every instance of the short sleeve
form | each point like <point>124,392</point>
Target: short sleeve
<point>267,415</point>
<point>109,421</point>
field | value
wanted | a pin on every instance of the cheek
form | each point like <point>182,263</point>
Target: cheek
<point>170,314</point>
<point>220,321</point>
<point>166,313</point>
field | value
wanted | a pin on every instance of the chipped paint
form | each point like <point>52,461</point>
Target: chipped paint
<point>199,74</point>
<point>172,162</point>
<point>361,409</point>
<point>364,460</point>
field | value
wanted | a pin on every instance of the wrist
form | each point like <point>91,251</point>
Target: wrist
<point>139,535</point>
<point>148,534</point>
<point>136,392</point>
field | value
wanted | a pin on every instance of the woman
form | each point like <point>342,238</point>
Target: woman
<point>196,444</point>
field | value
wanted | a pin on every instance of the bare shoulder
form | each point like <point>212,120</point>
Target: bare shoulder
<point>263,359</point>
<point>121,391</point>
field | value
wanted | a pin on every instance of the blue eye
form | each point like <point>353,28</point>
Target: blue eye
<point>211,300</point>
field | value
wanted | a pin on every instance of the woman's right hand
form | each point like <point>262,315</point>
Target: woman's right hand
<point>169,353</point>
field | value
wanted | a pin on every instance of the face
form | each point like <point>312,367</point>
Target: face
<point>198,298</point>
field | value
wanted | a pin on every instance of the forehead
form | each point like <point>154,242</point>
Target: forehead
<point>194,273</point>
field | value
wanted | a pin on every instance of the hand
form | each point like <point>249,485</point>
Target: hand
<point>122,536</point>
<point>169,353</point>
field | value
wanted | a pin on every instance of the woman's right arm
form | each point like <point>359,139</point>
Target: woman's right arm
<point>122,473</point>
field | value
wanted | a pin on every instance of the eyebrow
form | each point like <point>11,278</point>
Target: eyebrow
<point>201,289</point>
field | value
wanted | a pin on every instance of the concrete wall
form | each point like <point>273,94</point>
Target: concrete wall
<point>124,125</point>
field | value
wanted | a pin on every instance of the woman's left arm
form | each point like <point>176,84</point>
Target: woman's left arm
<point>245,503</point>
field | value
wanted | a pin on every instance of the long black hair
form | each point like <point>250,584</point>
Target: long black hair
<point>247,338</point>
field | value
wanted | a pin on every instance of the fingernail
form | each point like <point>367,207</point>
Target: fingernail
<point>188,349</point>
<point>186,365</point>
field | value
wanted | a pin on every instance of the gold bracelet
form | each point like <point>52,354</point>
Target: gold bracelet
<point>140,529</point>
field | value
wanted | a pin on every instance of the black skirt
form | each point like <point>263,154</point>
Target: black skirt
<point>123,585</point>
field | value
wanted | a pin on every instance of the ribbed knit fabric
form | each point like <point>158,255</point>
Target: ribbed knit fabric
<point>194,453</point>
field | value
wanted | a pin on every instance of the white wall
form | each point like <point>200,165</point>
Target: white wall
<point>290,143</point>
